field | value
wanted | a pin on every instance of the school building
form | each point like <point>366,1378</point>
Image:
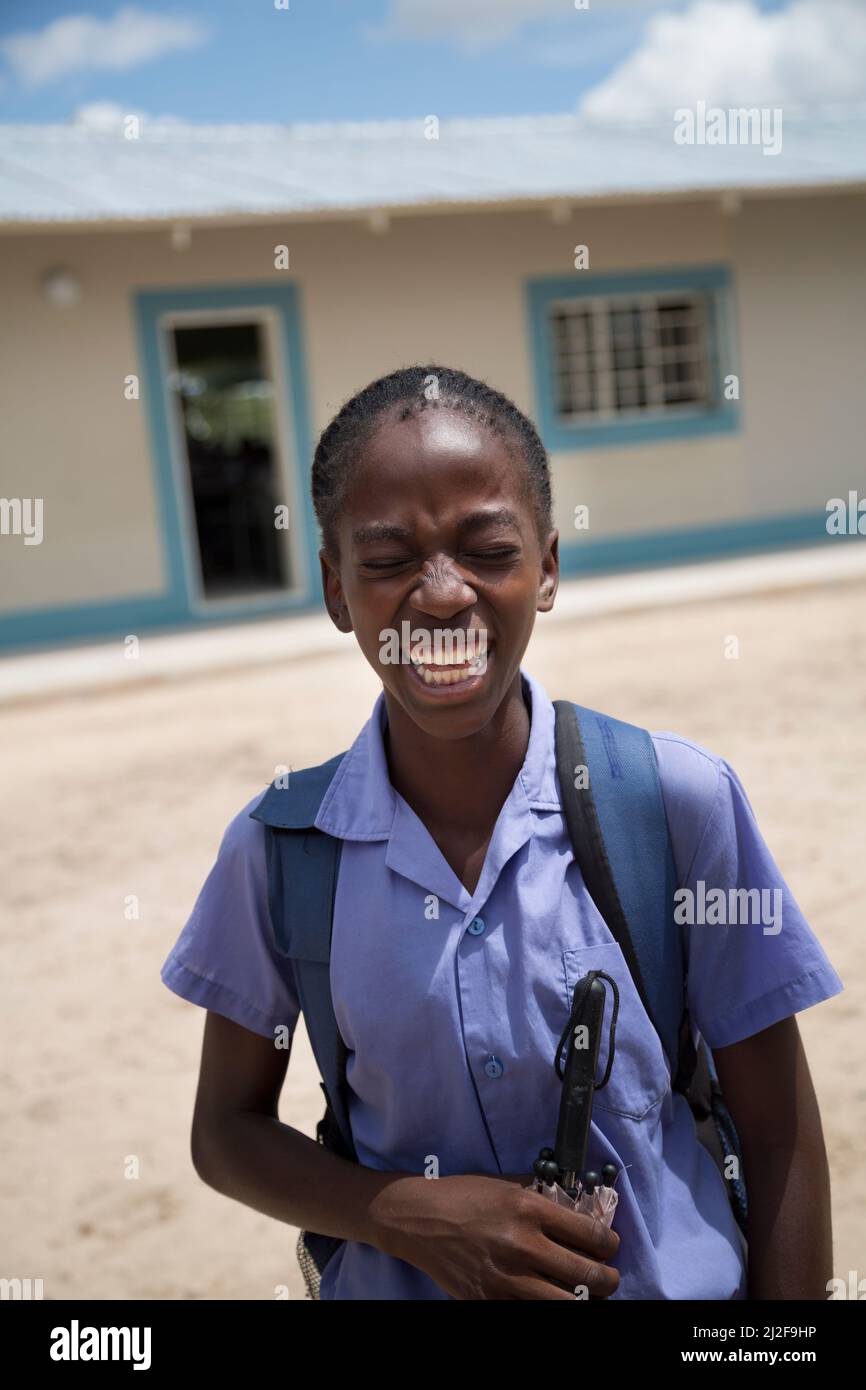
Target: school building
<point>185,307</point>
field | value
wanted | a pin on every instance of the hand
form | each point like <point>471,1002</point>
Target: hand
<point>481,1237</point>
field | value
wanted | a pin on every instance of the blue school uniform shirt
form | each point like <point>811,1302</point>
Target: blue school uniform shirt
<point>452,1004</point>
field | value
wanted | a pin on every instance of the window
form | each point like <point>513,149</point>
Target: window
<point>630,357</point>
<point>618,355</point>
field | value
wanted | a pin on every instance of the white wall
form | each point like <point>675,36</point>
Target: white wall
<point>433,287</point>
<point>801,272</point>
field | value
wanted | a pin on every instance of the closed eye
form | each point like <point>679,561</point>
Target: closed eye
<point>498,555</point>
<point>506,553</point>
<point>382,564</point>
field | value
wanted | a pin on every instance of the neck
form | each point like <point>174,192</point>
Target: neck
<point>458,782</point>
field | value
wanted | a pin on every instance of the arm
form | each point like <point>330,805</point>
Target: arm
<point>768,1089</point>
<point>240,1147</point>
<point>476,1236</point>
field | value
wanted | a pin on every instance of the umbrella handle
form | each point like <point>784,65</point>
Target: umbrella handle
<point>578,1005</point>
<point>578,1077</point>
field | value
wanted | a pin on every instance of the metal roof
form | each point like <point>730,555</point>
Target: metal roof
<point>77,174</point>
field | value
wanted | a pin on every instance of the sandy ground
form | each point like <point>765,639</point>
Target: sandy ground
<point>129,792</point>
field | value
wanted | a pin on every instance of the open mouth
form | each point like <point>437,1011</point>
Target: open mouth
<point>446,675</point>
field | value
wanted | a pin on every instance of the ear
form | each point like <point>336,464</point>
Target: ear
<point>549,573</point>
<point>332,591</point>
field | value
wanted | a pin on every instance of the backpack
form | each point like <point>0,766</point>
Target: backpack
<point>619,831</point>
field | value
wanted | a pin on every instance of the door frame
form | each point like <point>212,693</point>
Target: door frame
<point>278,306</point>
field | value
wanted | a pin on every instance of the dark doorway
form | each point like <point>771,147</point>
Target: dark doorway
<point>226,400</point>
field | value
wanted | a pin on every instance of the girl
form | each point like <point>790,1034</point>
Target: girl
<point>461,924</point>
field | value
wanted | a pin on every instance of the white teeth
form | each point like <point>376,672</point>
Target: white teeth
<point>432,676</point>
<point>445,677</point>
<point>434,660</point>
<point>441,662</point>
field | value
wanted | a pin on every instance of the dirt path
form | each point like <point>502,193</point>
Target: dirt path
<point>129,793</point>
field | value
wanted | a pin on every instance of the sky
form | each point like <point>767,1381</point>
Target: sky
<point>318,60</point>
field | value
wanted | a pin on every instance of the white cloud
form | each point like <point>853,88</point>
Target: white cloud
<point>727,53</point>
<point>101,115</point>
<point>107,115</point>
<point>79,42</point>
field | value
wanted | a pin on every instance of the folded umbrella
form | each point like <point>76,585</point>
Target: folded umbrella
<point>561,1174</point>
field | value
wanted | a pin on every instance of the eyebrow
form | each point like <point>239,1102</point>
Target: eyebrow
<point>388,531</point>
<point>380,531</point>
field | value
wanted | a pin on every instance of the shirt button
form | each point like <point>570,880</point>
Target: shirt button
<point>476,926</point>
<point>493,1067</point>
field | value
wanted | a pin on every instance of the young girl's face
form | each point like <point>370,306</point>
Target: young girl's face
<point>438,532</point>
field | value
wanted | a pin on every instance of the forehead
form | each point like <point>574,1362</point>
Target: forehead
<point>438,462</point>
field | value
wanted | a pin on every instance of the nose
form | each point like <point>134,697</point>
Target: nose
<point>442,590</point>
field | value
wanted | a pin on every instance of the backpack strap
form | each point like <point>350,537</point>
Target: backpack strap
<point>619,831</point>
<point>303,865</point>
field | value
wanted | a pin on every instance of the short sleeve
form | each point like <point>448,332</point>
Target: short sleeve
<point>752,957</point>
<point>224,958</point>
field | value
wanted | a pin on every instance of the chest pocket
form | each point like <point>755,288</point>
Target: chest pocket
<point>640,1077</point>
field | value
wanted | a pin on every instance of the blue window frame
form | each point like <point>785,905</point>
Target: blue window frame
<point>634,357</point>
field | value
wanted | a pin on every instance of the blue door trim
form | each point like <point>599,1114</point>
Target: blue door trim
<point>149,306</point>
<point>172,607</point>
<point>637,429</point>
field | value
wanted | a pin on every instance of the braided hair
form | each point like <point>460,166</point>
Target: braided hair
<point>402,395</point>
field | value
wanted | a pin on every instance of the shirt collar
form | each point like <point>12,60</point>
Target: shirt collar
<point>360,803</point>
